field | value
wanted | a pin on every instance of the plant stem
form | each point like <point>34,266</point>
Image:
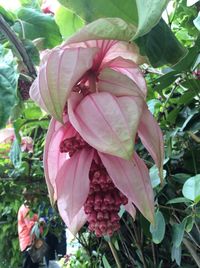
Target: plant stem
<point>114,253</point>
<point>190,248</point>
<point>12,37</point>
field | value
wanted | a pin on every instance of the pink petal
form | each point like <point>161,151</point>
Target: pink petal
<point>152,138</point>
<point>52,158</point>
<point>118,84</point>
<point>130,69</point>
<point>77,222</point>
<point>107,123</point>
<point>132,179</point>
<point>72,182</point>
<point>130,209</point>
<point>59,72</point>
<point>7,134</point>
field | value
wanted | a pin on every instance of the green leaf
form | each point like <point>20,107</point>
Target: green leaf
<point>105,28</point>
<point>161,46</point>
<point>154,176</point>
<point>176,254</point>
<point>189,222</point>
<point>178,232</point>
<point>105,262</point>
<point>15,153</point>
<point>91,10</point>
<point>191,188</point>
<point>67,21</point>
<point>38,25</point>
<point>178,200</point>
<point>165,80</point>
<point>158,229</point>
<point>8,84</point>
<point>186,63</point>
<point>149,14</point>
<point>197,22</point>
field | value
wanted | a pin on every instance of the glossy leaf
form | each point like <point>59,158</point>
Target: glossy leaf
<point>67,21</point>
<point>38,25</point>
<point>178,232</point>
<point>158,228</point>
<point>161,46</point>
<point>8,85</point>
<point>149,14</point>
<point>191,188</point>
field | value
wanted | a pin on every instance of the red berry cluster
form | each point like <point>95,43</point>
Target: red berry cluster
<point>24,87</point>
<point>73,144</point>
<point>103,202</point>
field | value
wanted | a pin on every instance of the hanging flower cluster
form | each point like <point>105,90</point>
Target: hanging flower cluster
<point>96,94</point>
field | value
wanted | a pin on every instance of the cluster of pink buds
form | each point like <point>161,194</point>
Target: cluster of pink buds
<point>103,202</point>
<point>104,199</point>
<point>72,145</point>
<point>24,87</point>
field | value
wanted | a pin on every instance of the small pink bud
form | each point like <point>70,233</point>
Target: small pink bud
<point>96,175</point>
<point>109,231</point>
<point>98,198</point>
<point>90,200</point>
<point>102,226</point>
<point>114,217</point>
<point>97,207</point>
<point>106,216</point>
<point>92,217</point>
<point>108,199</point>
<point>100,215</point>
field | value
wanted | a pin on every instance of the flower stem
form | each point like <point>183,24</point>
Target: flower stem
<point>16,42</point>
<point>114,253</point>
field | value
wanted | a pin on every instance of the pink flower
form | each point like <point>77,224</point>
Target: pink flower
<point>7,135</point>
<point>80,178</point>
<point>97,93</point>
<point>88,68</point>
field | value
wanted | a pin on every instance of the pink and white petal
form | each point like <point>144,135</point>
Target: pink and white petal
<point>107,123</point>
<point>7,134</point>
<point>52,158</point>
<point>132,179</point>
<point>57,75</point>
<point>126,50</point>
<point>118,84</point>
<point>77,222</point>
<point>130,209</point>
<point>72,183</point>
<point>130,69</point>
<point>152,138</point>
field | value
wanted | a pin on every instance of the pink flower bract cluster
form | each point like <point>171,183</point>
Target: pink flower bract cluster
<point>96,94</point>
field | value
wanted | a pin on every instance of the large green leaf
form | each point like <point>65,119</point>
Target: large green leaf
<point>191,188</point>
<point>143,13</point>
<point>149,14</point>
<point>161,46</point>
<point>38,25</point>
<point>158,229</point>
<point>67,21</point>
<point>8,85</point>
<point>91,10</point>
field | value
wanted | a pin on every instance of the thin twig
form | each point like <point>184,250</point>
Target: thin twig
<point>114,253</point>
<point>16,42</point>
<point>192,251</point>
